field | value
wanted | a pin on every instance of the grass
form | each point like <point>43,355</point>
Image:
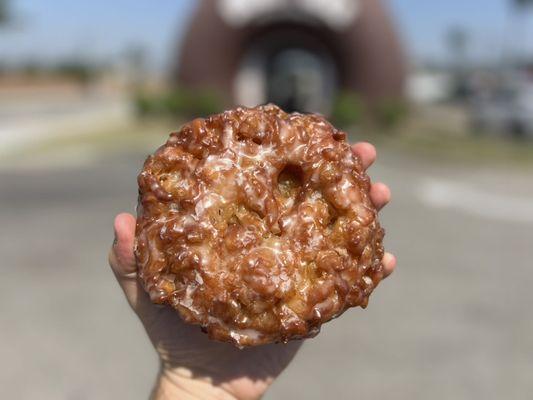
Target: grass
<point>493,150</point>
<point>442,141</point>
<point>417,140</point>
<point>137,136</point>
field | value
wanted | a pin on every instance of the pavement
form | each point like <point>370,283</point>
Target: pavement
<point>454,322</point>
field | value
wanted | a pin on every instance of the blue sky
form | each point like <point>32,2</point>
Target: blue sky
<point>102,29</point>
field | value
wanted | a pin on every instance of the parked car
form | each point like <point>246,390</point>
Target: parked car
<point>507,110</point>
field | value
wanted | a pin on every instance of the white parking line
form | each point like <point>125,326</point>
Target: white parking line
<point>465,198</point>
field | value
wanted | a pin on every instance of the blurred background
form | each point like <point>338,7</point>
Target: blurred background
<point>444,90</point>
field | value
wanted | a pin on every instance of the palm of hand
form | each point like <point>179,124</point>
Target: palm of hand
<point>185,352</point>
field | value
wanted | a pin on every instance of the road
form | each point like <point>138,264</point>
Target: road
<point>454,322</point>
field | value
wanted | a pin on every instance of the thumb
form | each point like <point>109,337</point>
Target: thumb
<point>121,257</point>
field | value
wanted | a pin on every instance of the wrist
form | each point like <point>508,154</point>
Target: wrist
<point>172,386</point>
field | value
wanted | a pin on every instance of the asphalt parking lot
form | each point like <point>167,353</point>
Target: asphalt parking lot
<point>454,322</point>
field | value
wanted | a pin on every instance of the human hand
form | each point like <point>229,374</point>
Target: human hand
<point>193,366</point>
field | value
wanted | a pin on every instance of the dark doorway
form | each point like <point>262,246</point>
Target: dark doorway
<point>299,79</point>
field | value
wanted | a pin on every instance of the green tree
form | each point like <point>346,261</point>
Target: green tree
<point>458,40</point>
<point>4,11</point>
<point>517,44</point>
<point>521,4</point>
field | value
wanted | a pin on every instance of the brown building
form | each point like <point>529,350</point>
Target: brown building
<point>296,53</point>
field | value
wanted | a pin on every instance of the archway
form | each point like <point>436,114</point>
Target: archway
<point>290,67</point>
